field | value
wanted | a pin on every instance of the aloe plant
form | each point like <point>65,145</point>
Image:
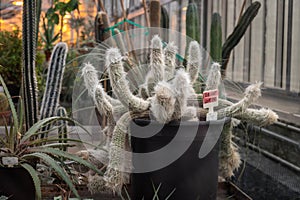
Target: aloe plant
<point>18,143</point>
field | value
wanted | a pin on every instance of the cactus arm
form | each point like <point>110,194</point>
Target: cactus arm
<point>63,126</point>
<point>261,117</point>
<point>194,61</point>
<point>216,38</point>
<point>238,33</point>
<point>30,89</point>
<point>252,93</point>
<point>120,84</point>
<point>51,95</point>
<point>214,77</point>
<point>170,58</point>
<point>115,177</point>
<point>229,157</point>
<point>157,65</point>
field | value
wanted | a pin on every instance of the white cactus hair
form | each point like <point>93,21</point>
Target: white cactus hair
<point>183,89</point>
<point>170,58</point>
<point>163,104</point>
<point>194,60</point>
<point>214,77</point>
<point>112,55</point>
<point>90,77</point>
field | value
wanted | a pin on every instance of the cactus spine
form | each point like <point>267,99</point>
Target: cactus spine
<point>30,89</point>
<point>54,80</point>
<point>216,38</point>
<point>238,33</point>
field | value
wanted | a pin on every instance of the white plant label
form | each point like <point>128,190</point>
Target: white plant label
<point>10,161</point>
<point>210,100</point>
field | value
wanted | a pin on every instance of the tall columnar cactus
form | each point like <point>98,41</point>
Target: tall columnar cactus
<point>216,38</point>
<point>154,15</point>
<point>192,22</point>
<point>164,22</point>
<point>55,74</point>
<point>238,33</point>
<point>169,101</point>
<point>101,25</point>
<point>29,43</point>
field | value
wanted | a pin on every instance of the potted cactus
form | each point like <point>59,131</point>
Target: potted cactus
<point>167,104</point>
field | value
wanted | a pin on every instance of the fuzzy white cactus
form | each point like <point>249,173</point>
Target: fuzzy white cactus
<point>165,94</point>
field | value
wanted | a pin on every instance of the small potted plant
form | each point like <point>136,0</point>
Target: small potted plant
<point>20,152</point>
<point>167,100</point>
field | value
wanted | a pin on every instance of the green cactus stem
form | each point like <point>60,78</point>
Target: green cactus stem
<point>55,74</point>
<point>62,126</point>
<point>238,33</point>
<point>29,39</point>
<point>192,22</point>
<point>216,38</point>
<point>164,22</point>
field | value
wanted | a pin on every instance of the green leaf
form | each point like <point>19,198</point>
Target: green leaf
<point>69,156</point>
<point>58,169</point>
<point>35,178</point>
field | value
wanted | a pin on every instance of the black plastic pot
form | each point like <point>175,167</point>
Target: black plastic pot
<point>16,183</point>
<point>188,177</point>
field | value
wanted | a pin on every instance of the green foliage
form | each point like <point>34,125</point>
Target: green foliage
<point>56,13</point>
<point>11,57</point>
<point>48,36</point>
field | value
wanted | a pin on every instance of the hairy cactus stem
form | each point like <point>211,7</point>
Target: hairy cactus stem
<point>214,77</point>
<point>120,84</point>
<point>194,61</point>
<point>170,57</point>
<point>157,65</point>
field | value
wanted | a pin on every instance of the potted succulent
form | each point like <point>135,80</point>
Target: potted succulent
<point>21,151</point>
<point>167,100</point>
